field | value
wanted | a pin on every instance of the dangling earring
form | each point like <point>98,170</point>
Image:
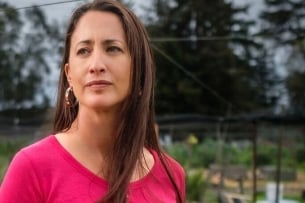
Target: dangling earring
<point>140,93</point>
<point>67,94</point>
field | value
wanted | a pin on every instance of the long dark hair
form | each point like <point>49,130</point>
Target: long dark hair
<point>137,115</point>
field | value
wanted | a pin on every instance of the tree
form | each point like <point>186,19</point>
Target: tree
<point>216,49</point>
<point>27,47</point>
<point>296,87</point>
<point>283,23</point>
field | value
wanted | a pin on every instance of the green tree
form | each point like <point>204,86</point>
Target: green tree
<point>283,25</point>
<point>295,85</point>
<point>215,48</point>
<point>28,46</point>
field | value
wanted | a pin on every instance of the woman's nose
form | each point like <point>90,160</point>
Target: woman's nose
<point>97,64</point>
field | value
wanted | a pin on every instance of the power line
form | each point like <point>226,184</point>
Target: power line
<point>200,38</point>
<point>48,4</point>
<point>161,39</point>
<point>193,77</point>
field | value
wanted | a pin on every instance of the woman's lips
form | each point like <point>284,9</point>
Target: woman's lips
<point>98,83</point>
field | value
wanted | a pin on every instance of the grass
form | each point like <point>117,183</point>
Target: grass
<point>295,197</point>
<point>4,161</point>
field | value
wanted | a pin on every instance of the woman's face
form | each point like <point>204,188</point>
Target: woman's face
<point>99,65</point>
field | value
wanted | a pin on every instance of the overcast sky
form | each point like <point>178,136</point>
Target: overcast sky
<point>61,11</point>
<point>64,10</point>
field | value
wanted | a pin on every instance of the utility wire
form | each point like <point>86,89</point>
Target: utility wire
<point>48,4</point>
<point>199,38</point>
<point>161,39</point>
<point>193,77</point>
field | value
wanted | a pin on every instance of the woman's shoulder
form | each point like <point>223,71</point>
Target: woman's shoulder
<point>36,151</point>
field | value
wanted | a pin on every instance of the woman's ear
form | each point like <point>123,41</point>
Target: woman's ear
<point>67,71</point>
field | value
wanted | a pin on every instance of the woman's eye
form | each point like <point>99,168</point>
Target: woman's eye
<point>82,51</point>
<point>114,49</point>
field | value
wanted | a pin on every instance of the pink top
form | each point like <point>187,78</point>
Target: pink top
<point>45,172</point>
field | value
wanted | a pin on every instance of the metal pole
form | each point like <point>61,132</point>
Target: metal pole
<point>254,155</point>
<point>278,166</point>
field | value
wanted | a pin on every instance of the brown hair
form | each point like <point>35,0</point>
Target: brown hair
<point>137,114</point>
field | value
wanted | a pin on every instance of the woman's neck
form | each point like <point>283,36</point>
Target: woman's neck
<point>95,129</point>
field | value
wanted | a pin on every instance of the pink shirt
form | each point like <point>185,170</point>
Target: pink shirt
<point>45,172</point>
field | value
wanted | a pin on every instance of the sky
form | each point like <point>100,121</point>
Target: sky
<point>58,11</point>
<point>64,10</point>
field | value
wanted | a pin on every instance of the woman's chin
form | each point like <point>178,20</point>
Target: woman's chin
<point>99,105</point>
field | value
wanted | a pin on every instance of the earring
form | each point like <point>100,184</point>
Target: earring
<point>67,93</point>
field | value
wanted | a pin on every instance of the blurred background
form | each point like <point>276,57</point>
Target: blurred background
<point>230,92</point>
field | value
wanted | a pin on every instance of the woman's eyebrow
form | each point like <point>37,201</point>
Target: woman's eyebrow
<point>86,41</point>
<point>103,42</point>
<point>111,41</point>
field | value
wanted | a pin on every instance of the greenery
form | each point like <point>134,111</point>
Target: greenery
<point>282,26</point>
<point>195,185</point>
<point>204,154</point>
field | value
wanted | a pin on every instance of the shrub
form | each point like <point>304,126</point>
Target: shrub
<point>195,185</point>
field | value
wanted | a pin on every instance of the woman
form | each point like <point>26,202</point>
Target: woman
<point>104,147</point>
